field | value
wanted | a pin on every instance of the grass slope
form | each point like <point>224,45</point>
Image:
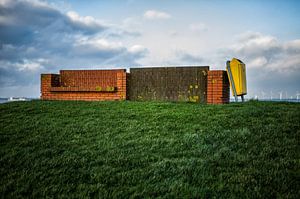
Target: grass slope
<point>147,149</point>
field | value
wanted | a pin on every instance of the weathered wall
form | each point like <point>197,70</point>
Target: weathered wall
<point>168,84</point>
<point>91,85</point>
<point>195,84</point>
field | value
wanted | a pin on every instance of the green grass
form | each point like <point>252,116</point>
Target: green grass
<point>149,149</point>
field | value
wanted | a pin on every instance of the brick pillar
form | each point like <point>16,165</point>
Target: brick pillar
<point>47,81</point>
<point>217,87</point>
<point>127,85</point>
<point>121,84</point>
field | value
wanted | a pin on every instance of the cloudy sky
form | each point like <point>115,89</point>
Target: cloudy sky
<point>45,36</point>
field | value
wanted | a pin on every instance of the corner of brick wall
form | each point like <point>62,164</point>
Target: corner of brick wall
<point>47,81</point>
<point>218,87</point>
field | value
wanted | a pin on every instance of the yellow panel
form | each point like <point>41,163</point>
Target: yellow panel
<point>238,70</point>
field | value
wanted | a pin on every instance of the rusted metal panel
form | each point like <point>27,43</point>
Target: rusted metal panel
<point>169,84</point>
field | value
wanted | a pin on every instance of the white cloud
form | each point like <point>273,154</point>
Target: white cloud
<point>130,22</point>
<point>173,33</point>
<point>271,64</point>
<point>258,62</point>
<point>37,3</point>
<point>256,44</point>
<point>267,52</point>
<point>7,20</point>
<point>31,65</point>
<point>186,58</point>
<point>6,3</point>
<point>86,20</point>
<point>198,27</point>
<point>154,14</point>
<point>24,65</point>
<point>137,49</point>
<point>98,43</point>
<point>293,46</point>
<point>287,63</point>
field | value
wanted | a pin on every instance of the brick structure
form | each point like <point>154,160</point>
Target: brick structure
<point>218,90</point>
<point>208,86</point>
<point>89,85</point>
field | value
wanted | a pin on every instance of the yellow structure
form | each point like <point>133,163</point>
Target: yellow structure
<point>236,71</point>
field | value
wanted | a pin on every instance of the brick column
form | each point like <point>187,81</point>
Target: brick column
<point>127,85</point>
<point>48,80</point>
<point>218,88</point>
<point>121,84</point>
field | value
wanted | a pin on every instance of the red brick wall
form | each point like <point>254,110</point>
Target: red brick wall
<point>89,85</point>
<point>217,87</point>
<point>88,78</point>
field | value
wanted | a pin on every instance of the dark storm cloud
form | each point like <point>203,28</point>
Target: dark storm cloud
<point>36,37</point>
<point>22,21</point>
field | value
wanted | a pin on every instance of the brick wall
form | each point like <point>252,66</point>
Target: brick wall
<point>168,84</point>
<point>217,87</point>
<point>98,85</point>
<point>89,85</point>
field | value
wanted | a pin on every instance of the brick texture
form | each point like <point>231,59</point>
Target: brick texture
<point>218,88</point>
<point>88,85</point>
<point>101,85</point>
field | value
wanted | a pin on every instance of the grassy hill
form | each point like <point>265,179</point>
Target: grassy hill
<point>147,149</point>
